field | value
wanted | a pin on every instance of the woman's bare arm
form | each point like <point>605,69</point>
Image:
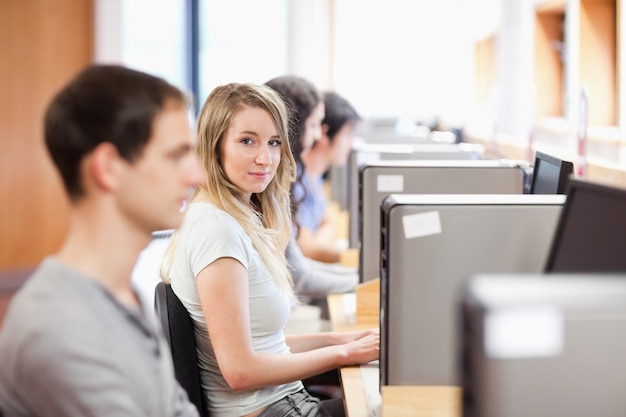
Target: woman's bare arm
<point>311,341</point>
<point>223,291</point>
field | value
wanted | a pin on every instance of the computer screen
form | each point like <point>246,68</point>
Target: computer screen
<point>550,174</point>
<point>591,233</point>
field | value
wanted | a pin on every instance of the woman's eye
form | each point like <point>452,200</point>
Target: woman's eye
<point>275,142</point>
<point>246,141</point>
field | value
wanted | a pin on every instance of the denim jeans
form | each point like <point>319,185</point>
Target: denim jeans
<point>303,404</point>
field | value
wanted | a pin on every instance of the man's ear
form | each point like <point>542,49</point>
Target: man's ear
<point>105,166</point>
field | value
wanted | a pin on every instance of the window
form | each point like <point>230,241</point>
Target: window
<point>153,38</point>
<point>241,41</point>
<point>407,57</point>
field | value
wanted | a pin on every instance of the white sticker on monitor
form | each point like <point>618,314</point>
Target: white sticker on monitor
<point>390,183</point>
<point>421,224</point>
<point>524,332</point>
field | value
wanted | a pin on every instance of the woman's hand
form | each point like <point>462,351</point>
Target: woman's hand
<point>351,348</point>
<point>364,346</point>
<point>347,337</point>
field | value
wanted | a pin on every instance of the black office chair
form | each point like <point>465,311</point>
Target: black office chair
<point>178,329</point>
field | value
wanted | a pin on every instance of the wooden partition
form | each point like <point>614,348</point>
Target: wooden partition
<point>42,45</point>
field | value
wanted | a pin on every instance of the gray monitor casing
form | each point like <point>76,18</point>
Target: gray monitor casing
<point>379,179</point>
<point>577,369</point>
<point>338,174</point>
<point>367,153</point>
<point>429,245</point>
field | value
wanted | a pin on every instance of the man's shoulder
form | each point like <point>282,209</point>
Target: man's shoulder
<point>54,301</point>
<point>53,285</point>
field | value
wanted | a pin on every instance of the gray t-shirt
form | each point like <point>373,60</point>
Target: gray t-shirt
<point>206,235</point>
<point>68,348</point>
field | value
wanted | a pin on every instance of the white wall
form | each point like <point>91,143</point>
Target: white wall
<point>309,40</point>
<point>108,36</point>
<point>515,69</point>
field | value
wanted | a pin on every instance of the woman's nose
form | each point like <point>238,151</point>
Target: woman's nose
<point>263,156</point>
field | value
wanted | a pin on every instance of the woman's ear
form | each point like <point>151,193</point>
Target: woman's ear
<point>105,167</point>
<point>324,129</point>
<point>324,140</point>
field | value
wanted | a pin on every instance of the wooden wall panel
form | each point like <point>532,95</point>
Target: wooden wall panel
<point>598,59</point>
<point>43,43</point>
<point>548,66</point>
<point>485,70</point>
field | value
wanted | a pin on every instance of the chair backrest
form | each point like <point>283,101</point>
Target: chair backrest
<point>10,282</point>
<point>178,328</point>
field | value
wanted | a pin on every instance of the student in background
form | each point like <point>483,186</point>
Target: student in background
<point>314,279</point>
<point>339,125</point>
<point>306,107</point>
<point>318,232</point>
<point>76,340</point>
<point>227,265</point>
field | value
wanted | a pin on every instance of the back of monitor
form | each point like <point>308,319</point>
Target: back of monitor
<point>543,345</point>
<point>379,179</point>
<point>430,244</point>
<point>375,152</point>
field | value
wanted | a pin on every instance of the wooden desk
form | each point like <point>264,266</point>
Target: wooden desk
<point>348,313</point>
<point>421,401</point>
<point>342,309</point>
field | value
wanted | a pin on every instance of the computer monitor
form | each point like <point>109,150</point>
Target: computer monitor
<point>378,179</point>
<point>430,244</point>
<point>591,233</point>
<point>365,153</point>
<point>550,174</point>
<point>543,347</point>
<point>368,134</point>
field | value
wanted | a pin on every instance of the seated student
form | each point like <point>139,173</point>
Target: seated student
<point>227,265</point>
<point>318,234</point>
<point>306,112</point>
<point>314,281</point>
<point>76,340</point>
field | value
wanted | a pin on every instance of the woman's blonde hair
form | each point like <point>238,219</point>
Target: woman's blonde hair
<point>266,216</point>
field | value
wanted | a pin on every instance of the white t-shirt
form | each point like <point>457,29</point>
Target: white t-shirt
<point>206,235</point>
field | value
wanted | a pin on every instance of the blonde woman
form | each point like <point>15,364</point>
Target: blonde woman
<point>227,265</point>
